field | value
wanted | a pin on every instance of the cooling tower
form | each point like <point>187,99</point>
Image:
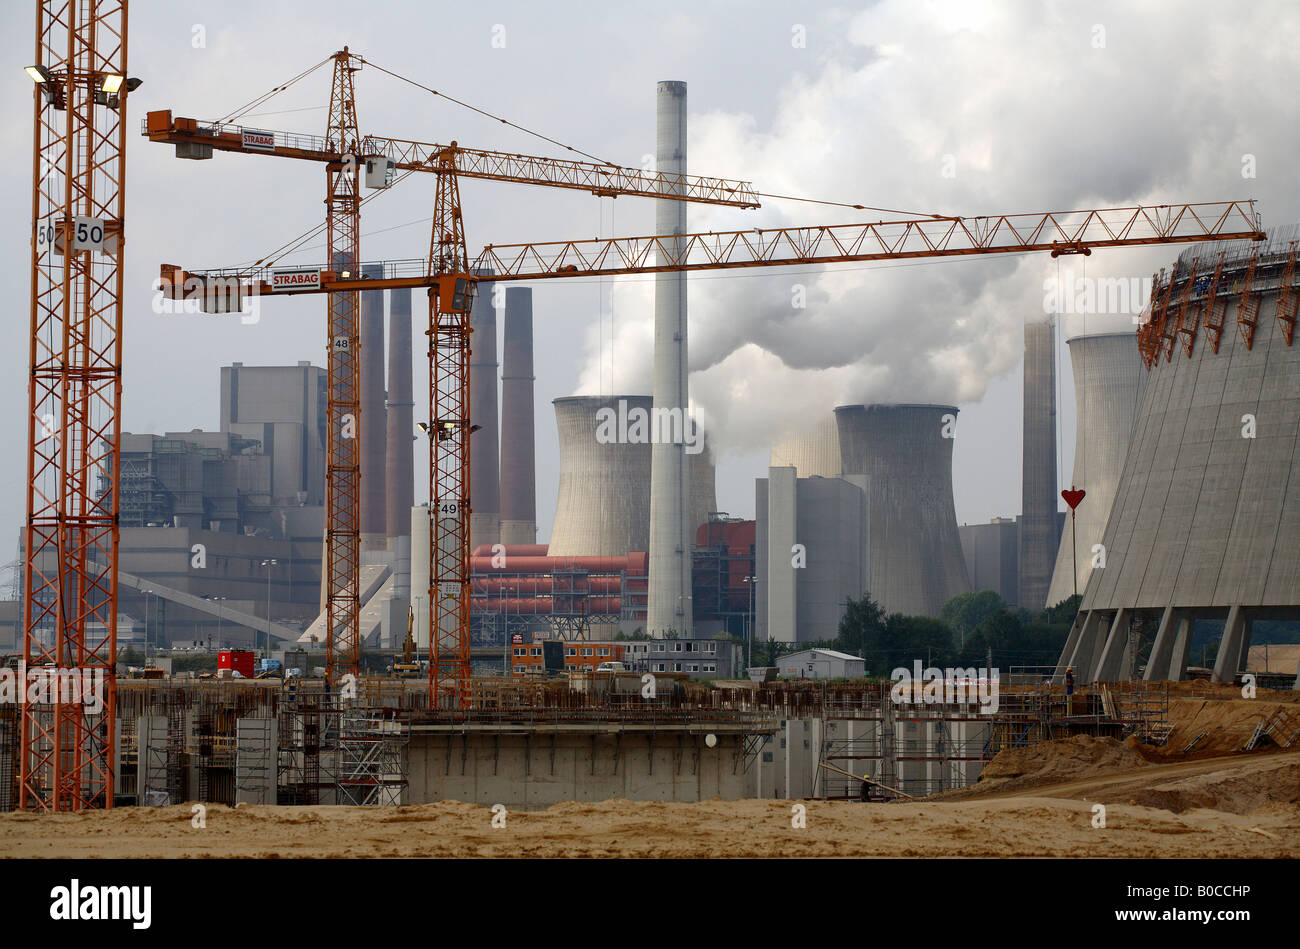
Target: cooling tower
<point>374,425</point>
<point>1108,382</point>
<point>603,506</point>
<point>1038,508</point>
<point>400,440</point>
<point>484,469</point>
<point>814,451</point>
<point>671,534</point>
<point>915,561</point>
<point>1205,523</point>
<point>518,429</point>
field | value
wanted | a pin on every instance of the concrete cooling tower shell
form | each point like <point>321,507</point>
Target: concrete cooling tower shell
<point>1108,383</point>
<point>915,561</point>
<point>1205,523</point>
<point>814,452</point>
<point>603,505</point>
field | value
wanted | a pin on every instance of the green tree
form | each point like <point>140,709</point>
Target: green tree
<point>861,625</point>
<point>966,611</point>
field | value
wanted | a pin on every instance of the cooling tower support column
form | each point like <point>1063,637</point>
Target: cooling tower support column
<point>669,604</point>
<point>518,431</point>
<point>374,426</point>
<point>485,473</point>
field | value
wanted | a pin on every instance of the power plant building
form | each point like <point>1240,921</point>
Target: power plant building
<point>1205,523</point>
<point>811,553</point>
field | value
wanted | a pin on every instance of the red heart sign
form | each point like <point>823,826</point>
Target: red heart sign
<point>1073,496</point>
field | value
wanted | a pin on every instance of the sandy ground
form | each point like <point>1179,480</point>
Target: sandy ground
<point>1245,805</point>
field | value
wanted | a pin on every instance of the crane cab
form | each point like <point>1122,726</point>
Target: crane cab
<point>379,172</point>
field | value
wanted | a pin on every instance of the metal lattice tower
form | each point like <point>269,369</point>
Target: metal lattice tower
<point>343,487</point>
<point>73,422</point>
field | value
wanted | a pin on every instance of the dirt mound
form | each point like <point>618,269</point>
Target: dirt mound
<point>1051,762</point>
<point>1219,722</point>
<point>1272,786</point>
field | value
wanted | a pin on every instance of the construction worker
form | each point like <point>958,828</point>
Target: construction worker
<point>1069,681</point>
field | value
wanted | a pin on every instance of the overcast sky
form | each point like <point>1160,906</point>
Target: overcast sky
<point>960,107</point>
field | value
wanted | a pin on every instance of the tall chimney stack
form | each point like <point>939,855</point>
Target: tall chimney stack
<point>400,469</point>
<point>485,460</point>
<point>669,605</point>
<point>518,431</point>
<point>374,528</point>
<point>1038,519</point>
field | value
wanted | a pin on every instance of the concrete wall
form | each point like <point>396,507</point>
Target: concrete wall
<point>544,769</point>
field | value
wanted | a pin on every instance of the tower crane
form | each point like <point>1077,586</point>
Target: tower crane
<point>450,280</point>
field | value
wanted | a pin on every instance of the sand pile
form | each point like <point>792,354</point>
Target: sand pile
<point>1055,761</point>
<point>1226,719</point>
<point>1272,786</point>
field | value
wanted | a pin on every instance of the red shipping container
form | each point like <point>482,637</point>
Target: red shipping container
<point>237,659</point>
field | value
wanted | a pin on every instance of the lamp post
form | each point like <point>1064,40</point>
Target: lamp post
<point>147,594</point>
<point>749,621</point>
<point>268,564</point>
<point>218,600</point>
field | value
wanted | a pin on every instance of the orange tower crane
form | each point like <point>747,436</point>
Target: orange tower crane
<point>450,280</point>
<point>74,399</point>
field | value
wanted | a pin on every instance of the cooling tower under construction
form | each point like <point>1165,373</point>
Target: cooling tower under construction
<point>672,534</point>
<point>518,430</point>
<point>603,506</point>
<point>484,469</point>
<point>1108,382</point>
<point>814,451</point>
<point>1206,519</point>
<point>915,561</point>
<point>1039,536</point>
<point>374,424</point>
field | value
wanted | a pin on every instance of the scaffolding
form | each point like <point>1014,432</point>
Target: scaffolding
<point>372,757</point>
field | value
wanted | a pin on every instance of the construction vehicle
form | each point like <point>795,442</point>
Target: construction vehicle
<point>409,667</point>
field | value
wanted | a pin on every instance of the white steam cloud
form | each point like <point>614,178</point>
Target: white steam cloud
<point>902,99</point>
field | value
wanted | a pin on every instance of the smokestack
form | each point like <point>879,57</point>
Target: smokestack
<point>914,557</point>
<point>1038,518</point>
<point>671,537</point>
<point>373,425</point>
<point>814,451</point>
<point>399,475</point>
<point>518,431</point>
<point>485,472</point>
<point>1108,384</point>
